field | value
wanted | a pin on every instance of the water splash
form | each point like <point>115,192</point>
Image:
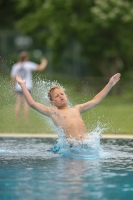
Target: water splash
<point>89,148</point>
<point>41,88</point>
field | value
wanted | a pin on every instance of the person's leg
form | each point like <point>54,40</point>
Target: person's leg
<point>18,106</point>
<point>26,111</point>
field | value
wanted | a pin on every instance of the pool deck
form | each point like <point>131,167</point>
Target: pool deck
<point>48,135</point>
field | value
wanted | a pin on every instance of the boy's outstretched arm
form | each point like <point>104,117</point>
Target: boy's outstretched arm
<point>35,105</point>
<point>101,95</point>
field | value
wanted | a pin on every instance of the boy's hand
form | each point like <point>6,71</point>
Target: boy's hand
<point>114,79</point>
<point>20,80</point>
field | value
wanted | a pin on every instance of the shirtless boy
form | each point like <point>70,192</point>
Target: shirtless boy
<point>64,117</point>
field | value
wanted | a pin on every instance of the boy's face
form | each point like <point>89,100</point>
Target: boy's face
<point>59,98</point>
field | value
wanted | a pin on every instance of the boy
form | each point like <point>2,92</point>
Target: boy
<point>68,119</point>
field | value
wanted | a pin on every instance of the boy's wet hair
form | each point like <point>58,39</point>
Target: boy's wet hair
<point>51,90</point>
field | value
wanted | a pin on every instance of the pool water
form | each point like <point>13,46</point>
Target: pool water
<point>28,171</point>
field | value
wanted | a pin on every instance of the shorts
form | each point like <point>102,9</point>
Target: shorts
<point>21,92</point>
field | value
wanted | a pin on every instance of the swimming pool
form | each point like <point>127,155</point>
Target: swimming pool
<point>29,171</point>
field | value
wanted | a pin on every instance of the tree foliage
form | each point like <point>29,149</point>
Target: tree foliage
<point>103,29</point>
<point>7,14</point>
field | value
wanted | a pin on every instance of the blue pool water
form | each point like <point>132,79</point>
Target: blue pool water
<point>28,171</point>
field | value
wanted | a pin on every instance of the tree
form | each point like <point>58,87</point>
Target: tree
<point>115,19</point>
<point>102,28</point>
<point>7,14</point>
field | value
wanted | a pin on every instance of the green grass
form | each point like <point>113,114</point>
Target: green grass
<point>114,112</point>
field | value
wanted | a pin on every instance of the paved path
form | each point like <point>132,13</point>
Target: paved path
<point>48,135</point>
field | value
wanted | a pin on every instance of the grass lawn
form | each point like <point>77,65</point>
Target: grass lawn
<point>114,112</point>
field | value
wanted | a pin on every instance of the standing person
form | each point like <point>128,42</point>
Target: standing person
<point>64,117</point>
<point>24,69</point>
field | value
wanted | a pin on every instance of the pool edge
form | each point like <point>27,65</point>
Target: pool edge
<point>49,135</point>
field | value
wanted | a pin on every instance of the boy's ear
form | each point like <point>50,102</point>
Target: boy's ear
<point>52,103</point>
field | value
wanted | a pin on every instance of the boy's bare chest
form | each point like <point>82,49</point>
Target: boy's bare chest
<point>65,115</point>
<point>68,114</point>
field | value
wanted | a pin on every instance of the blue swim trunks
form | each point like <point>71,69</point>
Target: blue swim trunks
<point>55,149</point>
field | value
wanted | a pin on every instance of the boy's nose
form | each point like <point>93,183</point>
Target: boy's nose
<point>60,97</point>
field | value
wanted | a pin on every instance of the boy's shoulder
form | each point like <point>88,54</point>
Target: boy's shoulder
<point>76,106</point>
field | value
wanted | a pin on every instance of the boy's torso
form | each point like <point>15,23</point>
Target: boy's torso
<point>70,121</point>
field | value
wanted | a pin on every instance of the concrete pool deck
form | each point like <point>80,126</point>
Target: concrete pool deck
<point>49,135</point>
